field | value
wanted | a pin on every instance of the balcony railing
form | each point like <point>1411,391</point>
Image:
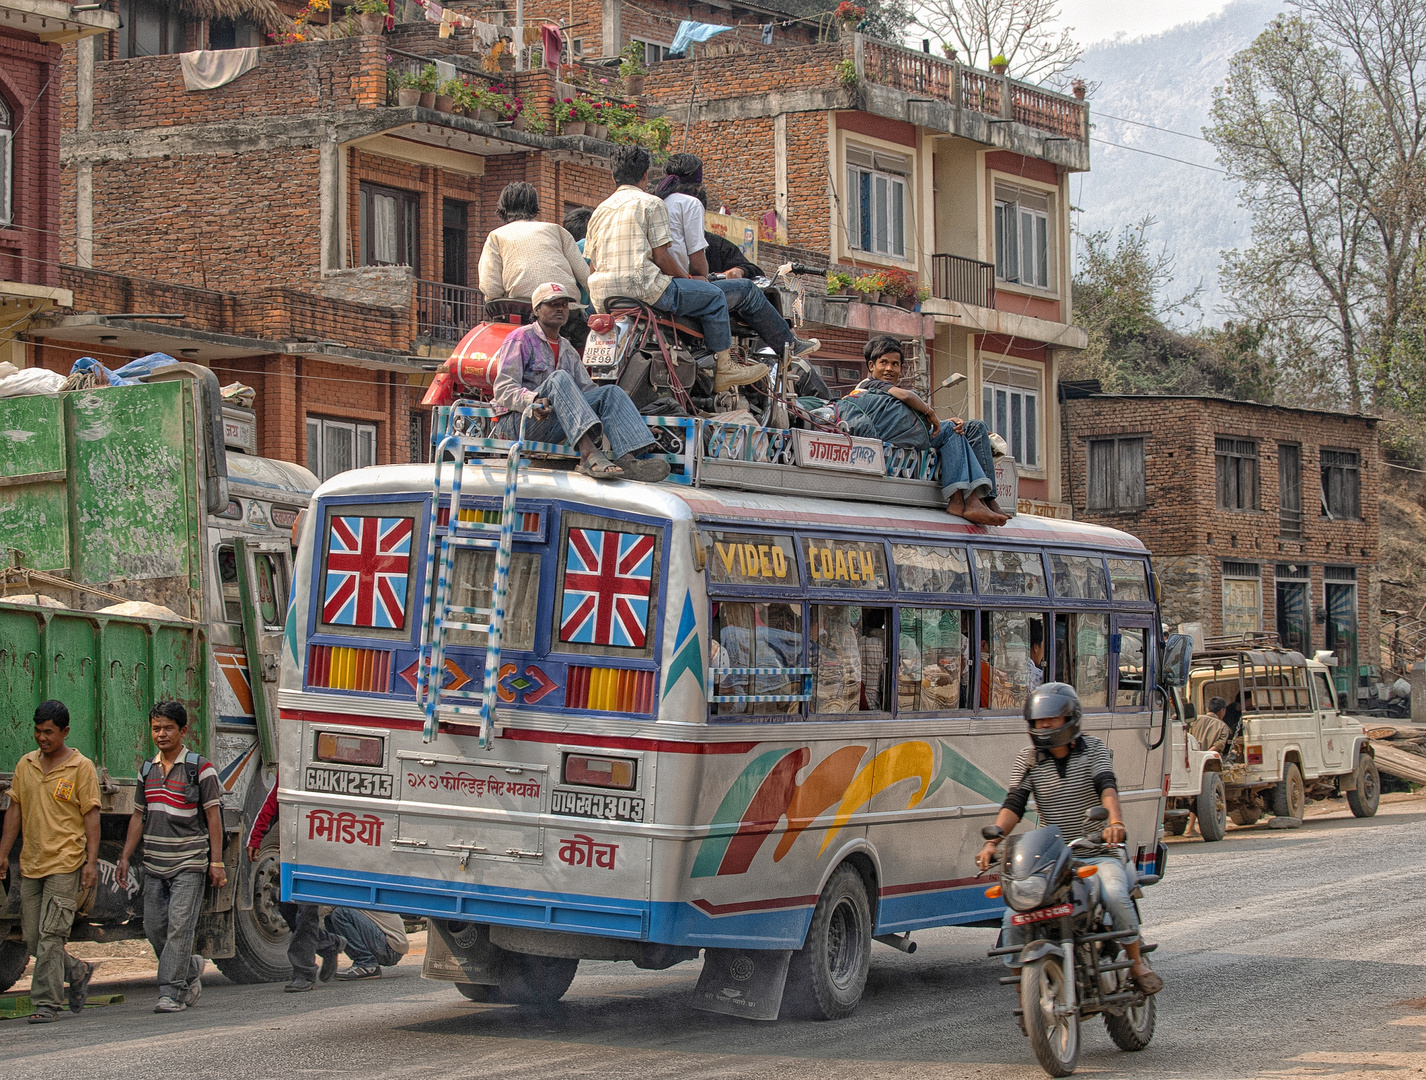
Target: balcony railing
<point>965,281</point>
<point>401,64</point>
<point>885,64</point>
<point>446,312</point>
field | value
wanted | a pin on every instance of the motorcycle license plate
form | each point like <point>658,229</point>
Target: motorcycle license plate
<point>1042,914</point>
<point>599,352</point>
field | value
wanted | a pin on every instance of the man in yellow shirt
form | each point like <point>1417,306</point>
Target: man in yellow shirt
<point>55,793</point>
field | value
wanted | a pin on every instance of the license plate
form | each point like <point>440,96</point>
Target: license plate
<point>590,804</point>
<point>1044,913</point>
<point>349,782</point>
<point>599,352</point>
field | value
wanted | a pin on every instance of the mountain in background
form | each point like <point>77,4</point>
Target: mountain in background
<point>1167,80</point>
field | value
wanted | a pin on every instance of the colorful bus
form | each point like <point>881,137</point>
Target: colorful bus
<point>764,726</point>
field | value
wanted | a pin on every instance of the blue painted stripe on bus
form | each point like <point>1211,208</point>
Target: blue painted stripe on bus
<point>945,907</point>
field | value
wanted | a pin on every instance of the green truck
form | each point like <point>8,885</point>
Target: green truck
<point>142,561</point>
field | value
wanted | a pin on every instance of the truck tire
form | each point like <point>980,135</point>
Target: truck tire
<point>1176,826</point>
<point>1212,808</point>
<point>260,935</point>
<point>13,959</point>
<point>530,980</point>
<point>1365,800</point>
<point>1246,815</point>
<point>827,975</point>
<point>1290,796</point>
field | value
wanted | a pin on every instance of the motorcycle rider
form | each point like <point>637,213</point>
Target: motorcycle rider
<point>1069,774</point>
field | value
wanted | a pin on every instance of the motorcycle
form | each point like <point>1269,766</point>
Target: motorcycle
<point>1073,969</point>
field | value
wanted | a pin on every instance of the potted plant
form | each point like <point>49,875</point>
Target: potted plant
<point>533,122</point>
<point>849,15</point>
<point>447,94</point>
<point>408,90</point>
<point>657,134</point>
<point>949,51</point>
<point>632,69</point>
<point>370,15</point>
<point>868,288</point>
<point>922,295</point>
<point>1080,88</point>
<point>597,128</point>
<point>568,118</point>
<point>427,85</point>
<point>838,282</point>
<point>999,64</point>
<point>897,286</point>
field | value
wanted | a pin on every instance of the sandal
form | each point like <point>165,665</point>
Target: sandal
<point>650,470</point>
<point>1148,981</point>
<point>44,1015</point>
<point>598,466</point>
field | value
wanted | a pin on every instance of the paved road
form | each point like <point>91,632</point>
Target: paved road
<point>1285,953</point>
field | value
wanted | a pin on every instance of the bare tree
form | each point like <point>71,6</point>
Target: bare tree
<point>1022,31</point>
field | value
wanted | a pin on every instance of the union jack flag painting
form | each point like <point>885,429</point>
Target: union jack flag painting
<point>367,563</point>
<point>607,578</point>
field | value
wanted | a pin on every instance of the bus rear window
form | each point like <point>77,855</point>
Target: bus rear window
<point>368,578</point>
<point>473,578</point>
<point>608,586</point>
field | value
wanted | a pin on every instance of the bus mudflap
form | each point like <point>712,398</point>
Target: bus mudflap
<point>460,952</point>
<point>743,982</point>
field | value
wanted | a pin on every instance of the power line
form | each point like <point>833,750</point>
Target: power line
<point>1152,127</point>
<point>1166,157</point>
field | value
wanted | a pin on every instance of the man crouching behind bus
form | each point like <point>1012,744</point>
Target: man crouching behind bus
<point>1068,774</point>
<point>539,366</point>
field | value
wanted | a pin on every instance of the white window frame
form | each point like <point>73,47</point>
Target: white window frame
<point>888,174</point>
<point>7,164</point>
<point>1020,391</point>
<point>321,431</point>
<point>1023,233</point>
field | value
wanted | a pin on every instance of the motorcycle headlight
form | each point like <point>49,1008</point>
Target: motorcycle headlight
<point>1026,894</point>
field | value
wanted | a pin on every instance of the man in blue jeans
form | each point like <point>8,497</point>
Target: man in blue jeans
<point>628,248</point>
<point>375,939</point>
<point>878,408</point>
<point>539,367</point>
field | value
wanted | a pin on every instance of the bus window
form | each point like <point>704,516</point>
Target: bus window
<point>751,559</point>
<point>757,636</point>
<point>1010,573</point>
<point>839,563</point>
<point>1078,577</point>
<point>1126,576</point>
<point>921,568</point>
<point>1082,654</point>
<point>933,660</point>
<point>1131,669</point>
<point>271,590</point>
<point>472,578</point>
<point>848,654</point>
<point>228,583</point>
<point>608,586</point>
<point>1012,651</point>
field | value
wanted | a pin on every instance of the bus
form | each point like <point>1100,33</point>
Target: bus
<point>746,714</point>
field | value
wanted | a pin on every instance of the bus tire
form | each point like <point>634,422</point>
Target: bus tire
<point>14,956</point>
<point>260,934</point>
<point>1365,800</point>
<point>477,991</point>
<point>533,980</point>
<point>827,975</point>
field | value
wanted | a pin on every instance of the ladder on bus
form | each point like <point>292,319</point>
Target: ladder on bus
<point>466,532</point>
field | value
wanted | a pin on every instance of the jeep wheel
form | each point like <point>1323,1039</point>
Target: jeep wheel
<point>13,958</point>
<point>1367,797</point>
<point>1212,808</point>
<point>1290,796</point>
<point>1176,826</point>
<point>260,935</point>
<point>827,975</point>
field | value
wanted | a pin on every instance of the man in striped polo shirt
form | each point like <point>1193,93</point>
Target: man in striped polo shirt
<point>1069,774</point>
<point>177,816</point>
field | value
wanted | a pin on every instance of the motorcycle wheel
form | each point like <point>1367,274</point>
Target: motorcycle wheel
<point>1053,1036</point>
<point>1212,808</point>
<point>1365,800</point>
<point>1135,1028</point>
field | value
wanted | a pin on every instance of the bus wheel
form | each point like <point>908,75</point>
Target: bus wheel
<point>13,958</point>
<point>477,991</point>
<point>533,980</point>
<point>828,974</point>
<point>260,935</point>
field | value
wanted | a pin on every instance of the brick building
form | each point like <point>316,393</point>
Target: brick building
<point>1259,517</point>
<point>32,33</point>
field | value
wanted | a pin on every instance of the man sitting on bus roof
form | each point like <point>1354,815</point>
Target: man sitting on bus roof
<point>880,409</point>
<point>538,366</point>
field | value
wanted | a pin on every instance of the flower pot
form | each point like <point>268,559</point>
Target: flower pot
<point>445,103</point>
<point>372,23</point>
<point>408,98</point>
<point>1079,92</point>
<point>999,69</point>
<point>633,85</point>
<point>519,122</point>
<point>871,298</point>
<point>597,131</point>
<point>428,100</point>
<point>487,116</point>
<point>908,302</point>
<point>573,127</point>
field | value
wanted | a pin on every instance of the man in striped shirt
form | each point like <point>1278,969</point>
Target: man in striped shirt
<point>178,818</point>
<point>1069,774</point>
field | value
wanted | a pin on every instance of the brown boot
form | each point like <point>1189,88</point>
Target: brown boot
<point>730,373</point>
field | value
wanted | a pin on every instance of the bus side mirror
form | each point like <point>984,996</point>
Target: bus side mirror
<point>1178,653</point>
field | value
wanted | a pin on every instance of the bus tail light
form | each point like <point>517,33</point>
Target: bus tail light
<point>337,667</point>
<point>606,772</point>
<point>349,749</point>
<point>609,690</point>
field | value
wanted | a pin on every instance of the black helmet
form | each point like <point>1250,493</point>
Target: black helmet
<point>1053,699</point>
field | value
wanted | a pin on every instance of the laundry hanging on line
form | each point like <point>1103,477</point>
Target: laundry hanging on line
<point>690,32</point>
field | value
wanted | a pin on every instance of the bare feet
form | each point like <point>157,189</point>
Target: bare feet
<point>974,510</point>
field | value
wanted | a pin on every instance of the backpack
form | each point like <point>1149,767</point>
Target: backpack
<point>191,765</point>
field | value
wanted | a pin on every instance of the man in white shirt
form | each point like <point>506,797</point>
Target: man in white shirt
<point>524,253</point>
<point>627,244</point>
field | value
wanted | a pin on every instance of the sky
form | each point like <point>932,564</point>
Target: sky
<point>1099,20</point>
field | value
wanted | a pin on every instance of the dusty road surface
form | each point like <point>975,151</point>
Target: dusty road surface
<point>1287,954</point>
